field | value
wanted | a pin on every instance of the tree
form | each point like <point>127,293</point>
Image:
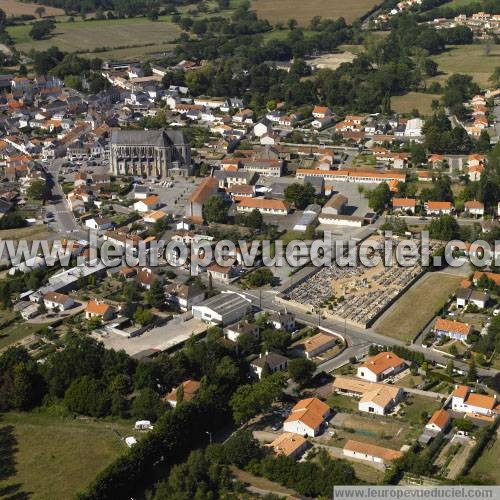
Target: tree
<point>87,396</point>
<point>444,228</point>
<point>472,373</point>
<point>275,340</point>
<point>216,209</point>
<point>42,29</point>
<point>495,77</point>
<point>147,405</point>
<point>254,219</point>
<point>143,316</point>
<point>40,11</point>
<point>242,447</point>
<point>300,195</point>
<point>38,190</point>
<point>301,371</point>
<point>156,295</point>
<point>252,399</point>
<point>379,197</point>
<point>450,367</point>
<point>260,277</point>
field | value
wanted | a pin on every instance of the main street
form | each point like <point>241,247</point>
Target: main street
<point>358,339</point>
<point>57,204</point>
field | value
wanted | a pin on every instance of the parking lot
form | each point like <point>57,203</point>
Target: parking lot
<point>173,333</point>
<point>174,198</point>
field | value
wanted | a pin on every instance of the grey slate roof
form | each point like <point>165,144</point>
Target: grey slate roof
<point>160,138</point>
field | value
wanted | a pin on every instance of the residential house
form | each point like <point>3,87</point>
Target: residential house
<point>452,329</point>
<point>273,361</point>
<point>381,366</point>
<point>146,277</point>
<point>99,223</point>
<point>373,397</point>
<point>317,344</point>
<point>184,296</point>
<point>307,417</point>
<point>472,403</point>
<point>223,273</point>
<point>290,445</point>
<point>148,204</point>
<point>438,207</point>
<point>234,331</point>
<point>370,452</point>
<point>405,205</point>
<point>282,321</point>
<point>466,296</point>
<point>187,391</point>
<point>474,207</point>
<point>97,309</point>
<point>264,206</point>
<point>439,422</point>
<point>56,300</point>
<point>321,112</point>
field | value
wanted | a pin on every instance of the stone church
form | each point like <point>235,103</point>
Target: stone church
<point>149,153</point>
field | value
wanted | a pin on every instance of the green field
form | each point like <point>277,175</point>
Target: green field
<point>51,457</point>
<point>408,316</point>
<point>468,59</point>
<point>15,333</point>
<point>414,100</point>
<point>86,36</point>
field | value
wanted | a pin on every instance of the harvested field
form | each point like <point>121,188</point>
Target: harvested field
<point>303,12</point>
<point>408,315</point>
<point>333,61</point>
<point>15,8</point>
<point>86,36</point>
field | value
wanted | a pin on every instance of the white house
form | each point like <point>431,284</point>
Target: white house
<point>414,127</point>
<point>264,206</point>
<point>99,223</point>
<point>275,363</point>
<point>474,207</point>
<point>148,204</point>
<point>307,417</point>
<point>379,367</point>
<point>96,309</point>
<point>242,327</point>
<point>56,300</point>
<point>184,296</point>
<point>439,207</point>
<point>370,452</point>
<point>466,401</point>
<point>439,422</point>
<point>283,321</point>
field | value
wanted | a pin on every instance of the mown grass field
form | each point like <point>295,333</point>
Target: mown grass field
<point>53,457</point>
<point>414,100</point>
<point>85,36</point>
<point>468,59</point>
<point>408,316</point>
<point>486,468</point>
<point>17,8</point>
<point>282,10</point>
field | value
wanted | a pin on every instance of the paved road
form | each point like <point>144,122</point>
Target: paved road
<point>58,205</point>
<point>358,339</point>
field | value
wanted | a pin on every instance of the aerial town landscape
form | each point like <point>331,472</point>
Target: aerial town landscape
<point>248,248</point>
